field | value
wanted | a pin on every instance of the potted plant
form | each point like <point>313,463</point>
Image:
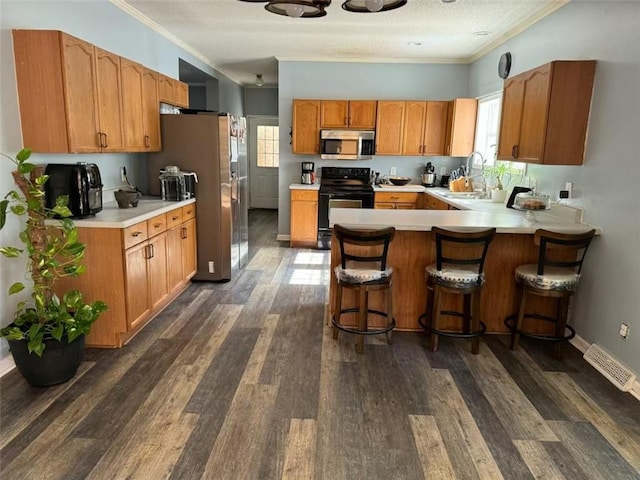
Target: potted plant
<point>498,171</point>
<point>46,337</point>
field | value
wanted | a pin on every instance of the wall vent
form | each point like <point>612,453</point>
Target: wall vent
<point>608,366</point>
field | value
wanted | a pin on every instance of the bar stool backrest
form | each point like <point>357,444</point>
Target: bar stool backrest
<point>466,249</point>
<point>364,238</point>
<point>564,250</point>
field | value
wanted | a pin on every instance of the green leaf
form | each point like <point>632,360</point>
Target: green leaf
<point>3,212</point>
<point>62,211</point>
<point>38,298</point>
<point>13,195</point>
<point>57,332</point>
<point>75,248</point>
<point>18,209</point>
<point>62,201</point>
<point>73,334</point>
<point>72,299</point>
<point>34,330</point>
<point>26,167</point>
<point>42,179</point>
<point>36,346</point>
<point>12,333</point>
<point>72,236</point>
<point>10,252</point>
<point>16,287</point>
<point>35,204</point>
<point>23,154</point>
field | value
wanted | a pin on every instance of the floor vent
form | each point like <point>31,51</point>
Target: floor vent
<point>608,366</point>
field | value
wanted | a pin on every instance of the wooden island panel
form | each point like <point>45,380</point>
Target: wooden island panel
<point>411,251</point>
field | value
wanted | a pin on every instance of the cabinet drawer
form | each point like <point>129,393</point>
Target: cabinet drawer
<point>135,234</point>
<point>157,224</point>
<point>385,205</point>
<point>188,212</point>
<point>435,203</point>
<point>174,217</point>
<point>308,195</point>
<point>404,197</point>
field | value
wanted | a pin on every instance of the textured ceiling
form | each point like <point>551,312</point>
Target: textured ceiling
<point>242,38</point>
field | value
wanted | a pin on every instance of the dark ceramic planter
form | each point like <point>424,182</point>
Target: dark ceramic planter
<point>59,361</point>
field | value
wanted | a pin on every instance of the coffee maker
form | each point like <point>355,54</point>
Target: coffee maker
<point>308,173</point>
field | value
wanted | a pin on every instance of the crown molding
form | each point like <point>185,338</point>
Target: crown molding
<point>142,18</point>
<point>545,11</point>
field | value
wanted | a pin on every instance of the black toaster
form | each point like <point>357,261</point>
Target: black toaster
<point>80,181</point>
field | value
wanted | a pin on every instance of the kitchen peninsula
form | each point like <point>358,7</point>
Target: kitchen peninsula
<point>413,249</point>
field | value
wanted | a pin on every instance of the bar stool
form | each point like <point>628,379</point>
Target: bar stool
<point>556,275</point>
<point>458,270</point>
<point>363,268</point>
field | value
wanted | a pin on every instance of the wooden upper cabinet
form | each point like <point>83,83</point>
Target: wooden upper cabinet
<point>151,110</point>
<point>425,125</point>
<point>461,126</point>
<point>306,127</point>
<point>69,93</point>
<point>173,91</point>
<point>348,114</point>
<point>132,103</point>
<point>545,113</point>
<point>334,113</point>
<point>80,94</point>
<point>389,127</point>
<point>109,91</point>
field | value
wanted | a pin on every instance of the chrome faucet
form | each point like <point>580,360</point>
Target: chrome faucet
<point>470,164</point>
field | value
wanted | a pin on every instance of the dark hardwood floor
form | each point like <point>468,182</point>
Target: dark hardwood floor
<point>242,380</point>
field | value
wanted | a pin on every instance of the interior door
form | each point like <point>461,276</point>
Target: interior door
<point>263,162</point>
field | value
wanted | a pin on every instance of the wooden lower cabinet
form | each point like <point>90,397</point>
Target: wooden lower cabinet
<point>396,200</point>
<point>304,218</point>
<point>432,203</point>
<point>136,271</point>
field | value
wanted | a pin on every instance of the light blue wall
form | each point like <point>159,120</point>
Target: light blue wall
<point>101,23</point>
<point>360,81</point>
<point>261,101</point>
<point>607,184</point>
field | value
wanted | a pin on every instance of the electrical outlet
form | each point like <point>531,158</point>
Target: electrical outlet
<point>392,171</point>
<point>123,174</point>
<point>443,171</point>
<point>212,268</point>
<point>564,193</point>
<point>624,330</point>
<point>569,188</point>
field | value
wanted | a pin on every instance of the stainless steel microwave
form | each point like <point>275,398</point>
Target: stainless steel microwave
<point>347,144</point>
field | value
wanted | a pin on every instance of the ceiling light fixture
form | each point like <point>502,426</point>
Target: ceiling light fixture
<point>441,1</point>
<point>482,33</point>
<point>317,8</point>
<point>259,80</point>
<point>415,44</point>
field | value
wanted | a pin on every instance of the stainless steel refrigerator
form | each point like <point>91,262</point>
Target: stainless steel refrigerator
<point>214,146</point>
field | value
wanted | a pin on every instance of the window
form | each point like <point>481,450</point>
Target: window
<point>486,141</point>
<point>268,146</point>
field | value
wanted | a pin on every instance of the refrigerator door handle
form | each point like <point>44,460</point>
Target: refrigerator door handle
<point>234,187</point>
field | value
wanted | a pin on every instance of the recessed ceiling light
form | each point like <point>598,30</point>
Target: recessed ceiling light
<point>448,1</point>
<point>482,33</point>
<point>415,44</point>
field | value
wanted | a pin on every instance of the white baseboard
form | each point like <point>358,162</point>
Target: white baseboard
<point>582,345</point>
<point>283,238</point>
<point>6,365</point>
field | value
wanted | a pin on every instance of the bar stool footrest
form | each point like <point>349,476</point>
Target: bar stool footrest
<point>355,331</point>
<point>509,322</point>
<point>427,329</point>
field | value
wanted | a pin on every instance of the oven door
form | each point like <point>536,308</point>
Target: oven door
<point>337,200</point>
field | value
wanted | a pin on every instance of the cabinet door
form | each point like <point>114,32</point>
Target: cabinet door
<point>132,105</point>
<point>157,271</point>
<point>189,249</point>
<point>175,273</point>
<point>334,113</point>
<point>537,87</point>
<point>389,127</point>
<point>414,128</point>
<point>166,89</point>
<point>306,127</point>
<point>80,94</point>
<point>182,94</point>
<point>151,110</point>
<point>304,222</point>
<point>137,296</point>
<point>362,114</point>
<point>435,128</point>
<point>109,101</point>
<point>510,121</point>
<point>461,126</point>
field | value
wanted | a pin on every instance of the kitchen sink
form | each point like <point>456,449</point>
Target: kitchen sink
<point>464,195</point>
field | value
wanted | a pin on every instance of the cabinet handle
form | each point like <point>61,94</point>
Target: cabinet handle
<point>152,252</point>
<point>136,234</point>
<point>99,139</point>
<point>157,225</point>
<point>183,232</point>
<point>105,145</point>
<point>514,151</point>
<point>145,253</point>
<point>394,198</point>
<point>146,141</point>
<point>174,218</point>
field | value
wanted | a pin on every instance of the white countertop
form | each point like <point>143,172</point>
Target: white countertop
<point>396,188</point>
<point>112,216</point>
<point>300,186</point>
